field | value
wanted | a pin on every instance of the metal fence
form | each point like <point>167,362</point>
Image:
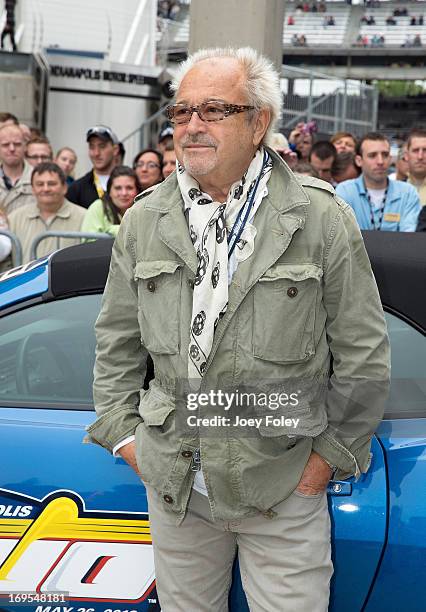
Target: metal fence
<point>143,136</point>
<point>17,251</point>
<point>334,104</point>
<point>16,246</point>
<point>58,235</point>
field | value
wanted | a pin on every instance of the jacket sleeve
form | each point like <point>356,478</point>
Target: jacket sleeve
<point>120,365</point>
<point>359,346</point>
<point>411,211</point>
<point>342,191</point>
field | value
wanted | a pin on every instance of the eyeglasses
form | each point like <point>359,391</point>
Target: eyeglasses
<point>39,157</point>
<point>148,165</point>
<point>207,111</point>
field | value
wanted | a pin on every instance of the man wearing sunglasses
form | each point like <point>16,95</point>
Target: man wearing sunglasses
<point>237,276</point>
<point>103,152</point>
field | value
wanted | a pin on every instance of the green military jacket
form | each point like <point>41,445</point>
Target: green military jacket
<point>303,307</point>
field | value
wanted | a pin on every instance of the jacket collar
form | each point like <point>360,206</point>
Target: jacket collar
<point>27,173</point>
<point>289,192</point>
<point>24,179</point>
<point>285,207</point>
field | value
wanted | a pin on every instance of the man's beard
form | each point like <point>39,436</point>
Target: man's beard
<point>196,164</point>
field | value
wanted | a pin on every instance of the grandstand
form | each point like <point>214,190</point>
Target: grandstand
<point>334,48</point>
<point>395,35</point>
<point>312,25</point>
<point>347,26</point>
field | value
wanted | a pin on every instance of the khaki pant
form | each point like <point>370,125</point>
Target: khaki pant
<point>285,561</point>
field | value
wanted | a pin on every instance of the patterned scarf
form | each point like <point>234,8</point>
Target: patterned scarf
<point>218,232</point>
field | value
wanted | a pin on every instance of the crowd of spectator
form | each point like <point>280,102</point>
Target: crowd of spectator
<point>315,7</point>
<point>38,191</point>
<point>385,194</point>
<point>328,20</point>
<point>414,21</point>
<point>378,39</point>
<point>39,194</point>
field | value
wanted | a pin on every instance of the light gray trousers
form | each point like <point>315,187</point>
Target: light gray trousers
<point>285,562</point>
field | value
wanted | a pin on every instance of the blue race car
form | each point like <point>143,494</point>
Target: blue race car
<point>74,528</point>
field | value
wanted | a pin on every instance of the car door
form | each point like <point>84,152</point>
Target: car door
<point>358,513</point>
<point>400,583</point>
<point>73,520</point>
<point>82,514</point>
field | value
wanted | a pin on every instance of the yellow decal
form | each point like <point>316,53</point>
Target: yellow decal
<point>60,520</point>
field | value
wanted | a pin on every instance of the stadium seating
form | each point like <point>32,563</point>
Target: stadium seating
<point>395,35</point>
<point>311,25</point>
<point>345,31</point>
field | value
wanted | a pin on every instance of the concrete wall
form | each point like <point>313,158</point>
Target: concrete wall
<point>254,23</point>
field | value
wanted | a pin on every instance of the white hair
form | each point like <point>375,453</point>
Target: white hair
<point>262,80</point>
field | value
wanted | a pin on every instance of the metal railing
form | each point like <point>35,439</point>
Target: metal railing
<point>141,134</point>
<point>334,104</point>
<point>58,235</point>
<point>16,245</point>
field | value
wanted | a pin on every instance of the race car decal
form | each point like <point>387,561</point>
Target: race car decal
<point>55,545</point>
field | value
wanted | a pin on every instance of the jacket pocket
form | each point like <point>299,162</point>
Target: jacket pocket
<point>159,296</point>
<point>156,445</point>
<point>285,303</point>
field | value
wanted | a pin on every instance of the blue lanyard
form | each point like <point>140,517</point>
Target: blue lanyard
<point>381,210</point>
<point>240,222</point>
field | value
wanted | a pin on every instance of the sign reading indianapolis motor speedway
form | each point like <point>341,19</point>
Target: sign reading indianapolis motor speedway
<point>97,75</point>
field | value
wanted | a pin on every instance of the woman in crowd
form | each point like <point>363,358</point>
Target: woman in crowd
<point>147,165</point>
<point>301,139</point>
<point>66,160</point>
<point>105,214</point>
<point>343,142</point>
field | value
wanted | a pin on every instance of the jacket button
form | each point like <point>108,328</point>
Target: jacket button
<point>151,286</point>
<point>168,499</point>
<point>292,292</point>
<point>187,454</point>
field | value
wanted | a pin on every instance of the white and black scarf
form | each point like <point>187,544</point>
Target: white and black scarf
<point>210,227</point>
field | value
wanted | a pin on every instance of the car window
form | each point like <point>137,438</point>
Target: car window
<point>408,369</point>
<point>47,352</point>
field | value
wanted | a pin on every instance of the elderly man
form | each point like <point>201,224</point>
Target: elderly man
<point>15,172</point>
<point>51,212</point>
<point>234,274</point>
